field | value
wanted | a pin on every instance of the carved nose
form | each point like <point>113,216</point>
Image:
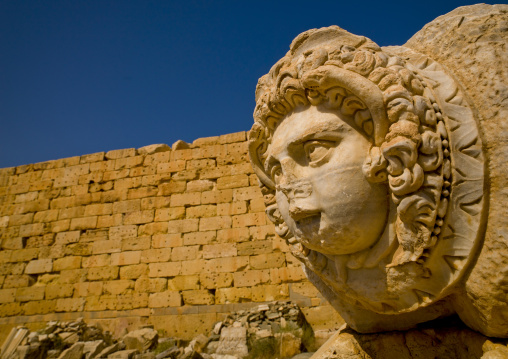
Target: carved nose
<point>296,189</point>
<point>299,197</point>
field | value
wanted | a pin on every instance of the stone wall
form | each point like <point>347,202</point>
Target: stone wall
<point>174,238</point>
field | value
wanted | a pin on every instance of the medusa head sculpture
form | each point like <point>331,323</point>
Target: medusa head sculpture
<point>371,168</point>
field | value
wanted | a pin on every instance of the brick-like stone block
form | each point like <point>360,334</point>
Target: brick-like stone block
<point>191,267</point>
<point>127,206</point>
<point>87,289</point>
<point>136,244</point>
<point>39,266</point>
<point>194,238</point>
<point>125,258</point>
<point>20,219</point>
<point>254,247</point>
<point>93,157</point>
<point>28,230</point>
<point>142,192</point>
<point>216,280</point>
<point>129,162</point>
<point>247,193</point>
<point>235,181</point>
<point>200,185</point>
<point>98,209</point>
<point>217,196</point>
<point>122,232</point>
<point>17,281</point>
<point>233,137</point>
<point>102,273</point>
<point>156,255</point>
<point>228,209</point>
<point>269,260</point>
<point>185,199</point>
<point>184,253</point>
<point>73,275</point>
<point>133,271</point>
<point>231,235</point>
<point>306,289</point>
<point>233,295</point>
<point>168,269</point>
<point>115,154</point>
<point>167,240</point>
<point>24,255</point>
<point>7,295</point>
<point>14,243</point>
<point>173,166</point>
<point>158,157</point>
<point>70,305</point>
<point>183,225</point>
<point>266,293</point>
<point>169,214</point>
<point>229,265</point>
<point>100,260</point>
<point>107,221</point>
<point>219,250</point>
<point>198,297</point>
<point>214,223</point>
<point>251,278</point>
<point>249,219</point>
<point>139,217</point>
<point>39,307</point>
<point>83,223</point>
<point>68,262</point>
<point>165,299</point>
<point>262,232</point>
<point>67,237</point>
<point>286,274</point>
<point>30,293</point>
<point>59,290</point>
<point>201,211</point>
<point>183,282</point>
<point>117,287</point>
<point>107,246</point>
<point>151,229</point>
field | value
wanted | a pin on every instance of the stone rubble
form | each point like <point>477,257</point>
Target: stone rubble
<point>272,330</point>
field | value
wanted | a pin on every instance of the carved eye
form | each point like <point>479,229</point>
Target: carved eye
<point>317,151</point>
<point>276,173</point>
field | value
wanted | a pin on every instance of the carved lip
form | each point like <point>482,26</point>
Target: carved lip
<point>309,219</point>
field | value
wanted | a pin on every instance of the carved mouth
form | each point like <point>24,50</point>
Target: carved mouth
<point>309,221</point>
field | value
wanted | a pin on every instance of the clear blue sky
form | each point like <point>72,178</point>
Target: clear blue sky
<point>80,77</point>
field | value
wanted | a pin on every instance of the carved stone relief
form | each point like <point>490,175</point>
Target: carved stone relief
<point>372,167</point>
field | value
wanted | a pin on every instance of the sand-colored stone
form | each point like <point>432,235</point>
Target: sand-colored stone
<point>384,169</point>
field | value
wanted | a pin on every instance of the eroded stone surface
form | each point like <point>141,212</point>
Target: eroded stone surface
<point>372,164</point>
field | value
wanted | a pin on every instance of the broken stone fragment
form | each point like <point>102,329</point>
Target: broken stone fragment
<point>151,149</point>
<point>142,339</point>
<point>93,348</point>
<point>233,341</point>
<point>74,352</point>
<point>123,354</point>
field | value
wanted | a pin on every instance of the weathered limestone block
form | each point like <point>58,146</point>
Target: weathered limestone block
<point>441,340</point>
<point>142,339</point>
<point>233,341</point>
<point>384,169</point>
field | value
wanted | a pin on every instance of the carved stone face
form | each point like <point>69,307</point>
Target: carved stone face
<point>315,160</point>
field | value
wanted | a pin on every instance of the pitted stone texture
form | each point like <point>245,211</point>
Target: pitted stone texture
<point>471,41</point>
<point>449,339</point>
<point>373,168</point>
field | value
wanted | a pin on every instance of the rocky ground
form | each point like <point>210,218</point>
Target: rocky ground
<point>274,330</point>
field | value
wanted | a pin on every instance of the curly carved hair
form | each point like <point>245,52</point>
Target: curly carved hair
<point>384,99</point>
